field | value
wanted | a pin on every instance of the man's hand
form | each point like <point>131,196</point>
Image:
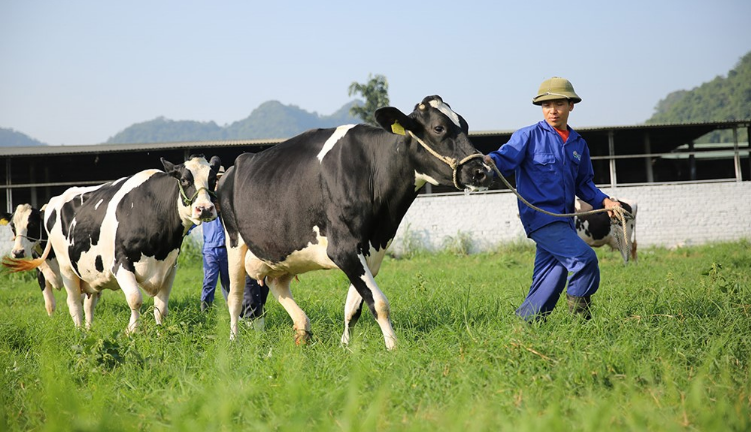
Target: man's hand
<point>609,204</point>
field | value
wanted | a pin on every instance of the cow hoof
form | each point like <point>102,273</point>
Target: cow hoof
<point>390,343</point>
<point>259,324</point>
<point>302,337</point>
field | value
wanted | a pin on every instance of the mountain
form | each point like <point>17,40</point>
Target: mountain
<point>271,119</point>
<point>723,98</point>
<point>165,130</point>
<point>275,120</point>
<point>11,138</point>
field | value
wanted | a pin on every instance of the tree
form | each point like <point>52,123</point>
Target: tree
<point>376,94</point>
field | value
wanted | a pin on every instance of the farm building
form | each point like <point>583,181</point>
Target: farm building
<point>666,168</point>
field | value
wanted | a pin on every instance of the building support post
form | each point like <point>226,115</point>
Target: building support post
<point>748,144</point>
<point>8,190</point>
<point>611,151</point>
<point>33,200</point>
<point>648,159</point>
<point>737,156</point>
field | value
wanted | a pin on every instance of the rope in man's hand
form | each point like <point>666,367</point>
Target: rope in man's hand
<point>619,213</point>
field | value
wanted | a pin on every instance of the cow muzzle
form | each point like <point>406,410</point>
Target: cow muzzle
<point>475,175</point>
<point>204,212</point>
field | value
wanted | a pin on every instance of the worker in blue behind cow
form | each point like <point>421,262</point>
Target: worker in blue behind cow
<point>215,263</point>
<point>254,298</point>
<point>216,266</point>
<point>552,167</point>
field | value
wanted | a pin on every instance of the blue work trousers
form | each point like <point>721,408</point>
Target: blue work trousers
<point>561,255</point>
<point>215,266</point>
<point>254,298</point>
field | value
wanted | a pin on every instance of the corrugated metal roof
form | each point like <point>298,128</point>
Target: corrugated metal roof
<point>107,148</point>
<point>115,148</point>
<point>719,124</point>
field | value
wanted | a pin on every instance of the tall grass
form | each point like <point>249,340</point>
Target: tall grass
<point>668,349</point>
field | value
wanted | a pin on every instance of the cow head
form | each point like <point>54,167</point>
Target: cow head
<point>196,180</point>
<point>28,231</point>
<point>440,147</point>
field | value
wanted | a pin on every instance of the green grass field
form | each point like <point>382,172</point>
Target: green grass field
<point>668,349</point>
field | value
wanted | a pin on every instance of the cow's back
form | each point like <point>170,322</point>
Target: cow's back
<point>277,197</point>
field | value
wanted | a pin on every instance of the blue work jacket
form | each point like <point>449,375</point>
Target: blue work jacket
<point>549,173</point>
<point>213,234</point>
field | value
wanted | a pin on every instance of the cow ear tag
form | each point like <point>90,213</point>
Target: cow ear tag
<point>397,128</point>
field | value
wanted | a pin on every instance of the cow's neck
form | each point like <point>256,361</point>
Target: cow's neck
<point>394,191</point>
<point>175,224</point>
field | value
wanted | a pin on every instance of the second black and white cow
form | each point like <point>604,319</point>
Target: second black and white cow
<point>28,237</point>
<point>127,234</point>
<point>334,198</point>
<point>599,230</point>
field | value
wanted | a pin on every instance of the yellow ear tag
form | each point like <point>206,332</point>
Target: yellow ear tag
<point>4,221</point>
<point>397,128</point>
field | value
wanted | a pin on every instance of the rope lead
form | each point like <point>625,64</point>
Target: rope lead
<point>620,213</point>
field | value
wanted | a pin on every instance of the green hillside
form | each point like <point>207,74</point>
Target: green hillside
<point>165,130</point>
<point>11,138</point>
<point>271,119</point>
<point>723,98</point>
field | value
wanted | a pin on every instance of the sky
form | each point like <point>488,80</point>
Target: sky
<point>78,72</point>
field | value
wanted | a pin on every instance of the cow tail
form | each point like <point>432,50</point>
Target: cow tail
<point>15,265</point>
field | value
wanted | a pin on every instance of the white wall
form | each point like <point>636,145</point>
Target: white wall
<point>668,215</point>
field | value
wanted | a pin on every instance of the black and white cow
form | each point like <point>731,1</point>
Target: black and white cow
<point>598,229</point>
<point>28,236</point>
<point>127,234</point>
<point>334,198</point>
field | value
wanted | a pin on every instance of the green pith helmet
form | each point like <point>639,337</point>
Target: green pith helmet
<point>556,88</point>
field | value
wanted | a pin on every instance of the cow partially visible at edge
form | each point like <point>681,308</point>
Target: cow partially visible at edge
<point>599,230</point>
<point>28,236</point>
<point>334,198</point>
<point>126,234</point>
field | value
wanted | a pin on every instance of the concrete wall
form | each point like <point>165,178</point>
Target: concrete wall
<point>668,215</point>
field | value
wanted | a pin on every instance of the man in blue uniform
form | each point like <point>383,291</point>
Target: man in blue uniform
<point>552,166</point>
<point>216,266</point>
<point>215,263</point>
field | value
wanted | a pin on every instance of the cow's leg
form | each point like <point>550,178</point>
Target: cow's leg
<point>161,299</point>
<point>48,279</point>
<point>353,305</point>
<point>633,240</point>
<point>89,304</point>
<point>50,274</point>
<point>127,282</point>
<point>279,287</point>
<point>49,298</point>
<point>236,268</point>
<point>352,311</point>
<point>73,288</point>
<point>362,279</point>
